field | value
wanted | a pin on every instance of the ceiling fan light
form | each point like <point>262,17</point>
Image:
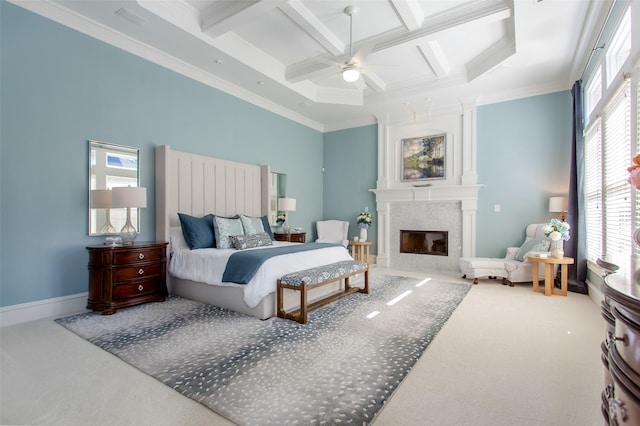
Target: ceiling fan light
<point>350,74</point>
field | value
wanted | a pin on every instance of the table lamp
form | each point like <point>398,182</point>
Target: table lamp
<point>558,205</point>
<point>101,199</point>
<point>286,205</point>
<point>130,197</point>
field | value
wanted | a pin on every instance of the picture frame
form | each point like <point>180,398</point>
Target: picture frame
<point>424,158</point>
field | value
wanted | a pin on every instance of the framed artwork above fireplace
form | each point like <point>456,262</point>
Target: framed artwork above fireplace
<point>424,158</point>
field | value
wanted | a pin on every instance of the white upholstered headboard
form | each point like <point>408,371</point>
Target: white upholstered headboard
<point>198,185</point>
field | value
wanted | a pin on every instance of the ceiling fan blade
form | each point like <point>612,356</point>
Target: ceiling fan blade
<point>360,83</point>
<point>362,53</point>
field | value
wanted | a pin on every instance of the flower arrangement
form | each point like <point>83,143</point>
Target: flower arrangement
<point>281,218</point>
<point>556,230</point>
<point>364,220</point>
<point>634,172</point>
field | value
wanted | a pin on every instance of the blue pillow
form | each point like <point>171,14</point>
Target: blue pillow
<point>267,227</point>
<point>197,231</point>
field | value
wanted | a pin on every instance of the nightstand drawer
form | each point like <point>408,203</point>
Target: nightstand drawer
<point>139,288</point>
<point>139,255</point>
<point>136,271</point>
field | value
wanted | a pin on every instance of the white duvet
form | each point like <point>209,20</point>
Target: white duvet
<point>208,265</point>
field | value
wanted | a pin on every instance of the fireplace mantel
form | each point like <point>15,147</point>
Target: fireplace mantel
<point>428,193</point>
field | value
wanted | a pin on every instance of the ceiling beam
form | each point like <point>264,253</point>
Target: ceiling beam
<point>435,58</point>
<point>409,12</point>
<point>490,58</point>
<point>302,16</point>
<point>217,22</point>
<point>374,81</point>
<point>470,12</point>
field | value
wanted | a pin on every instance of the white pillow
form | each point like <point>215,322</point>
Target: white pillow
<point>176,238</point>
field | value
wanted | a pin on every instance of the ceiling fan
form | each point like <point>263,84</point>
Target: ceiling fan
<point>351,68</point>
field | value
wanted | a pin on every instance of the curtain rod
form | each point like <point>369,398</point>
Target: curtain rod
<point>596,47</point>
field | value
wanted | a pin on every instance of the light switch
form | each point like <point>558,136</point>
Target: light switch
<point>496,208</point>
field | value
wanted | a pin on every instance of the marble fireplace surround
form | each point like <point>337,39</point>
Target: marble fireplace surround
<point>448,204</point>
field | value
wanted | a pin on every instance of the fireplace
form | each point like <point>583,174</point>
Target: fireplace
<point>434,243</point>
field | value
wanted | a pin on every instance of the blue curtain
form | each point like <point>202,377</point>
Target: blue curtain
<point>576,247</point>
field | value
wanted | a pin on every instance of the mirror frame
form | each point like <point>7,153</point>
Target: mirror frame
<point>94,146</point>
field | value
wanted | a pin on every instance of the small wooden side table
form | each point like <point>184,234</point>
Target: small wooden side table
<point>360,250</point>
<point>548,274</point>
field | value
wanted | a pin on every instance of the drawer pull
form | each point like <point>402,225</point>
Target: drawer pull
<point>617,411</point>
<point>141,256</point>
<point>623,339</point>
<point>140,287</point>
<point>140,271</point>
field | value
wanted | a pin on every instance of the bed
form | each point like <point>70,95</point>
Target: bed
<point>197,185</point>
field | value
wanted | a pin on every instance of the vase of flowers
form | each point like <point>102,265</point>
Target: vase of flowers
<point>558,233</point>
<point>281,218</point>
<point>364,221</point>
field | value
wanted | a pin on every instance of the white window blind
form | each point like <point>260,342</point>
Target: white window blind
<point>616,158</point>
<point>593,190</point>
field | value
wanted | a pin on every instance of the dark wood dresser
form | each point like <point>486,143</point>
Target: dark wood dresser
<point>121,276</point>
<point>293,237</point>
<point>621,351</point>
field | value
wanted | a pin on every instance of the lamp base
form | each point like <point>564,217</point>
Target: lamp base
<point>128,233</point>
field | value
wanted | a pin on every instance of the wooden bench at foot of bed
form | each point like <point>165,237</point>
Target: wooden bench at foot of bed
<point>308,279</point>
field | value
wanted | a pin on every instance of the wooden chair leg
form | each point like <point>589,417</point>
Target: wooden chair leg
<point>279,300</point>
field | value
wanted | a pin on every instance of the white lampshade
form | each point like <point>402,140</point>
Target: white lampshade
<point>350,73</point>
<point>557,204</point>
<point>100,198</point>
<point>129,196</point>
<point>287,204</point>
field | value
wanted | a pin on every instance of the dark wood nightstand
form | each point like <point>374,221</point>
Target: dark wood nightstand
<point>121,276</point>
<point>293,237</point>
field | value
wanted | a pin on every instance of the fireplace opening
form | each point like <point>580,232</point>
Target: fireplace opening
<point>425,242</point>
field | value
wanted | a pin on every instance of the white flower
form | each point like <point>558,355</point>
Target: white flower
<point>555,235</point>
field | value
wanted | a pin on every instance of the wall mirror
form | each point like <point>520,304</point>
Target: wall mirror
<point>277,189</point>
<point>110,166</point>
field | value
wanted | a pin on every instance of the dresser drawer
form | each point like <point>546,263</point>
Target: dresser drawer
<point>138,255</point>
<point>139,288</point>
<point>141,270</point>
<point>627,335</point>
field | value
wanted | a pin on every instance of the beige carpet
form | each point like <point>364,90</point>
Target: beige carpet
<point>507,356</point>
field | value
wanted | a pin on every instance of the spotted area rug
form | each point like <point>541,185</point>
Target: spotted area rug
<point>341,367</point>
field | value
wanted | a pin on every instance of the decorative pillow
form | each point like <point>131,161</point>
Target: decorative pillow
<point>267,227</point>
<point>224,227</point>
<point>197,231</point>
<point>241,242</point>
<point>251,225</point>
<point>531,244</point>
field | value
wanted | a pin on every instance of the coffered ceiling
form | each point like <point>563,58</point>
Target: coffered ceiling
<point>416,57</point>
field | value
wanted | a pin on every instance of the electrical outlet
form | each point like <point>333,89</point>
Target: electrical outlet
<point>496,208</point>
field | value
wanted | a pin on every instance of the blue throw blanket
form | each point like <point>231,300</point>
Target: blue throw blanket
<point>243,265</point>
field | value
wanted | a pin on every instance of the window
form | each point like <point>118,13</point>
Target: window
<point>609,197</point>
<point>611,99</point>
<point>593,91</point>
<point>619,48</point>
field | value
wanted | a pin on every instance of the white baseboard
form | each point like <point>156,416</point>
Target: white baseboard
<point>56,307</point>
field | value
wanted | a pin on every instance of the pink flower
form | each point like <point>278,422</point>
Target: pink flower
<point>634,177</point>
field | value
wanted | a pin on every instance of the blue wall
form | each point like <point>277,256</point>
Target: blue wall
<point>61,88</point>
<point>524,152</point>
<point>351,170</point>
